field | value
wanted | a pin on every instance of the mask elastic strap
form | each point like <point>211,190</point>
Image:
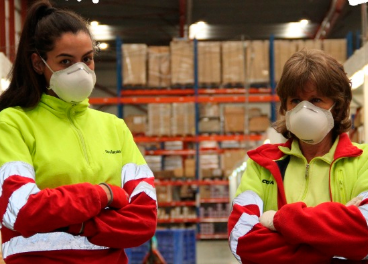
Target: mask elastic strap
<point>331,107</point>
<point>45,62</point>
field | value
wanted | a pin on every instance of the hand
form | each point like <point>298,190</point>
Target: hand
<point>107,191</point>
<point>266,219</point>
<point>355,201</point>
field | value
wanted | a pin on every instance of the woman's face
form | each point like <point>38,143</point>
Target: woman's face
<point>69,49</point>
<point>310,94</point>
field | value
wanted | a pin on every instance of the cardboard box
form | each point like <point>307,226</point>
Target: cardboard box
<point>259,123</point>
<point>337,48</point>
<point>234,118</point>
<point>189,168</point>
<point>183,121</point>
<point>233,58</point>
<point>231,159</point>
<point>164,174</point>
<point>164,193</point>
<point>258,61</point>
<point>209,62</point>
<point>137,124</point>
<point>159,74</point>
<point>182,62</point>
<point>207,125</point>
<point>283,49</point>
<point>209,110</point>
<point>134,64</point>
<point>159,120</point>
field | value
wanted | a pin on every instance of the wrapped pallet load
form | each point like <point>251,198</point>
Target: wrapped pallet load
<point>159,75</point>
<point>182,62</point>
<point>134,64</point>
<point>209,63</point>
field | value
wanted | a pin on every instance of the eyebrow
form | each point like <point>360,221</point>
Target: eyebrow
<point>71,56</point>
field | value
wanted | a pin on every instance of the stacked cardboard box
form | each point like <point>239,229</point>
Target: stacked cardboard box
<point>209,63</point>
<point>183,119</point>
<point>159,120</point>
<point>283,51</point>
<point>154,162</point>
<point>336,48</point>
<point>234,118</point>
<point>159,66</point>
<point>233,59</point>
<point>309,44</point>
<point>136,123</point>
<point>134,64</point>
<point>189,168</point>
<point>258,61</point>
<point>259,123</point>
<point>182,62</point>
<point>231,159</point>
<point>164,193</point>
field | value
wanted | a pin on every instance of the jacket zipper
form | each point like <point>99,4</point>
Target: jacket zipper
<point>341,187</point>
<point>306,176</point>
<point>84,149</point>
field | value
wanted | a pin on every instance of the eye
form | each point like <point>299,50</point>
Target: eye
<point>87,60</point>
<point>65,62</point>
<point>295,101</point>
<point>315,100</point>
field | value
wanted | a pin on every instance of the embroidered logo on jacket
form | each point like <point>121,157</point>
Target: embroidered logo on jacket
<point>113,151</point>
<point>267,182</point>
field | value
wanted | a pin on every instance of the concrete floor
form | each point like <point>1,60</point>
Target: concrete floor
<point>214,252</point>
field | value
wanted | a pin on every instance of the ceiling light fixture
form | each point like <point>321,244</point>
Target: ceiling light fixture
<point>304,22</point>
<point>199,30</point>
<point>103,45</point>
<point>94,23</point>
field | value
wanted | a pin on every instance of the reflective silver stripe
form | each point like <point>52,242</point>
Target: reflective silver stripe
<point>15,168</point>
<point>47,242</point>
<point>132,171</point>
<point>242,227</point>
<point>146,188</point>
<point>16,201</point>
<point>248,198</point>
<point>364,208</point>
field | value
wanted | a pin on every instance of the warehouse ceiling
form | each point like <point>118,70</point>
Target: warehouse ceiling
<point>157,22</point>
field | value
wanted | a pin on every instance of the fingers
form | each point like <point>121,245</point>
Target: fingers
<point>355,201</point>
<point>266,219</point>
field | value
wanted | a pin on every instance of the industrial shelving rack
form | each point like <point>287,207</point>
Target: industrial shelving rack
<point>197,96</point>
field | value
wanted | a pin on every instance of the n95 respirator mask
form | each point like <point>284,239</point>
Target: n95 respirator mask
<point>309,123</point>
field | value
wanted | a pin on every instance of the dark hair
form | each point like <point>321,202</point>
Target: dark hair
<point>43,25</point>
<point>329,78</point>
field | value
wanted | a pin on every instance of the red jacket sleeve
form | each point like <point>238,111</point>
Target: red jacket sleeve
<point>49,209</point>
<point>333,228</point>
<point>251,242</point>
<point>133,224</point>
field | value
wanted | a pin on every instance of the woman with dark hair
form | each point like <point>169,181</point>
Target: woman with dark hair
<point>306,200</point>
<point>74,188</point>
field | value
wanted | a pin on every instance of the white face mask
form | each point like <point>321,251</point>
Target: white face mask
<point>73,84</point>
<point>309,123</point>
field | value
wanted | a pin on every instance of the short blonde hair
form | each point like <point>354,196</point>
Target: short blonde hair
<point>329,78</point>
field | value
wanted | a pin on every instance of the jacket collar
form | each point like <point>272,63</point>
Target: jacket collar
<point>267,154</point>
<point>57,105</point>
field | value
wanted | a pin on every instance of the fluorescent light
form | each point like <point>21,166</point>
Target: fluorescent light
<point>94,23</point>
<point>199,30</point>
<point>102,32</point>
<point>103,45</point>
<point>304,22</point>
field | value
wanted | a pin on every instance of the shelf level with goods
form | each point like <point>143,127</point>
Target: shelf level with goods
<point>192,150</point>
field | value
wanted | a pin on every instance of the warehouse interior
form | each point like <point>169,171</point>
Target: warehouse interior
<point>195,82</point>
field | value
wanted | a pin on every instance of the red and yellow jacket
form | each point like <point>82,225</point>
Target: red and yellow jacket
<point>318,234</point>
<point>52,159</point>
